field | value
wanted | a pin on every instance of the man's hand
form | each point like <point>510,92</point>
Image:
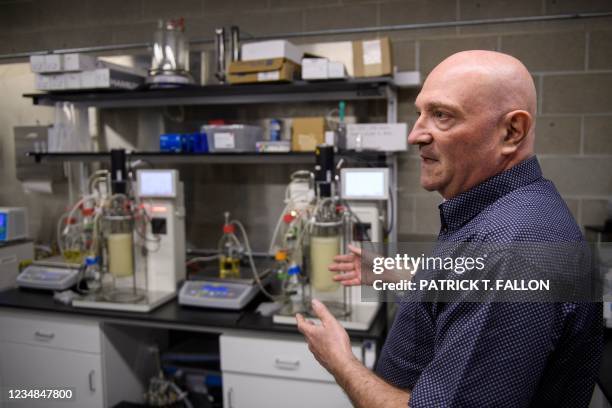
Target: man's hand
<point>347,267</point>
<point>331,346</point>
<point>328,342</point>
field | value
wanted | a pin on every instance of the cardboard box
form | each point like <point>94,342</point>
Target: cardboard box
<point>307,133</point>
<point>385,137</point>
<point>270,49</point>
<point>372,58</point>
<point>267,70</point>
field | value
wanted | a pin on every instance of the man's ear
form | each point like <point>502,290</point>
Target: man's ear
<point>517,125</point>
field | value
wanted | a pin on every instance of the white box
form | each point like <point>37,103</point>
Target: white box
<point>41,82</point>
<point>110,78</point>
<point>314,68</point>
<point>335,70</point>
<point>72,80</point>
<point>50,82</point>
<point>341,51</point>
<point>271,49</point>
<point>53,63</point>
<point>88,79</point>
<point>46,63</point>
<point>37,63</point>
<point>386,137</point>
<point>79,62</point>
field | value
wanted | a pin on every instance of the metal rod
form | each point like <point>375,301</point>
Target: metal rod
<point>336,31</point>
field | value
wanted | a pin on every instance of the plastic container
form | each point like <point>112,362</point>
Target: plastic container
<point>233,138</point>
<point>93,277</point>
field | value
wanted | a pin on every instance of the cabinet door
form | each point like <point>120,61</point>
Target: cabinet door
<point>25,366</point>
<point>257,391</point>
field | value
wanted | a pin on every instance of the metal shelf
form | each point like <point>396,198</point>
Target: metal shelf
<point>298,91</point>
<point>208,158</point>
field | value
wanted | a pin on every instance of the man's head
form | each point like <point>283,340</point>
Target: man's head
<point>476,118</point>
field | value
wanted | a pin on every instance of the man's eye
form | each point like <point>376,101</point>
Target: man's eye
<point>441,115</point>
<point>418,113</point>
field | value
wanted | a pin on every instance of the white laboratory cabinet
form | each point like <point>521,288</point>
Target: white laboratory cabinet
<point>49,351</point>
<point>271,371</point>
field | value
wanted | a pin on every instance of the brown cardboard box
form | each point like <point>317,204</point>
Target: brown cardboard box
<point>307,133</point>
<point>266,70</point>
<point>372,58</point>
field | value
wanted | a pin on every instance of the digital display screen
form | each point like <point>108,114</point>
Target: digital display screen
<point>364,184</point>
<point>3,226</point>
<point>214,288</point>
<point>156,184</point>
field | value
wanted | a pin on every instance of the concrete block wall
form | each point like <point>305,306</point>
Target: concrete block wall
<point>570,61</point>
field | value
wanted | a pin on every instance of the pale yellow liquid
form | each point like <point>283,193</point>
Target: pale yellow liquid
<point>120,256</point>
<point>229,267</point>
<point>322,252</point>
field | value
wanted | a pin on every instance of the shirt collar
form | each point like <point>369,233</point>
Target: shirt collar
<point>457,211</point>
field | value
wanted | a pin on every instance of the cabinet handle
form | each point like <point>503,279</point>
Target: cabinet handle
<point>92,386</point>
<point>230,398</point>
<point>287,364</point>
<point>44,336</point>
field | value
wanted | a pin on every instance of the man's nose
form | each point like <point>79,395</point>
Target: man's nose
<point>419,135</point>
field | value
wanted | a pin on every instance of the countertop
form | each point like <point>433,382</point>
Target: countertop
<point>172,315</point>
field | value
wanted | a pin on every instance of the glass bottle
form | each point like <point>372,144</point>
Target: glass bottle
<point>230,252</point>
<point>93,277</point>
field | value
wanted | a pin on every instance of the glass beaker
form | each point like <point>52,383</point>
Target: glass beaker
<point>325,240</point>
<point>170,48</point>
<point>120,259</point>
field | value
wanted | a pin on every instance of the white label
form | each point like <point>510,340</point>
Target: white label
<point>372,52</point>
<point>268,76</point>
<point>377,136</point>
<point>225,141</point>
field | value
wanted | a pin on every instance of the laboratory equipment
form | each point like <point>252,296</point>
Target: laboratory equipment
<point>220,57</point>
<point>230,252</point>
<point>92,275</point>
<point>366,191</point>
<point>12,254</point>
<point>138,237</point>
<point>13,223</point>
<point>318,222</point>
<point>217,294</point>
<point>170,60</point>
<point>229,286</point>
<point>50,274</point>
<point>235,43</point>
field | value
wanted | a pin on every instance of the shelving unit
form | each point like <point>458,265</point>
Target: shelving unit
<point>208,158</point>
<point>298,91</point>
<point>379,88</point>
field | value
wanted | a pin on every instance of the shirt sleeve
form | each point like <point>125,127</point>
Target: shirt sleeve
<point>487,355</point>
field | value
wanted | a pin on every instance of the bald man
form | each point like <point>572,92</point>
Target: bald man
<point>475,132</point>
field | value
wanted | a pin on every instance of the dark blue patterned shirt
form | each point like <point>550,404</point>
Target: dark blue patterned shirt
<point>498,354</point>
